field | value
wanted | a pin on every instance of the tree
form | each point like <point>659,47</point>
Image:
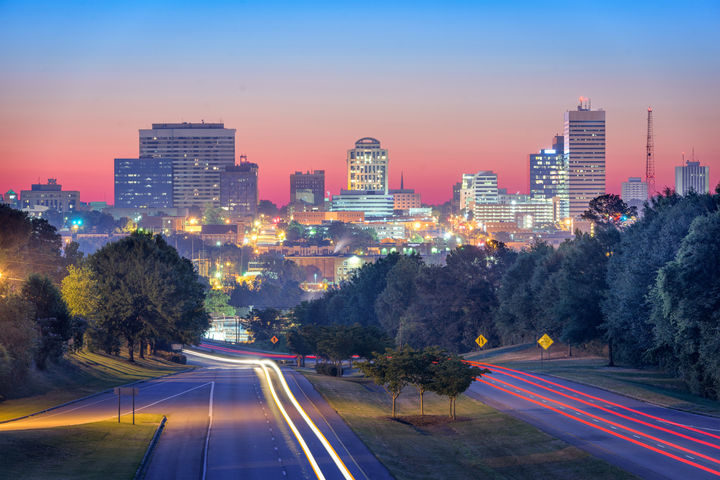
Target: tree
<point>51,315</point>
<point>268,208</point>
<point>216,304</point>
<point>302,342</point>
<point>212,215</point>
<point>262,323</point>
<point>386,373</point>
<point>452,376</point>
<point>147,293</point>
<point>18,339</point>
<point>609,210</point>
<point>399,293</point>
<point>419,366</point>
<point>686,309</point>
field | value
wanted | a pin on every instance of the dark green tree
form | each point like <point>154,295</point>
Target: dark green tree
<point>453,376</point>
<point>148,294</point>
<point>387,373</point>
<point>51,315</point>
<point>609,210</point>
<point>686,309</point>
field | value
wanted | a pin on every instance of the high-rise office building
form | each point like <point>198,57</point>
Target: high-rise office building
<point>239,188</point>
<point>692,177</point>
<point>367,166</point>
<point>199,153</point>
<point>144,182</point>
<point>549,176</point>
<point>372,203</point>
<point>50,195</point>
<point>634,192</point>
<point>308,187</point>
<point>485,187</point>
<point>584,148</point>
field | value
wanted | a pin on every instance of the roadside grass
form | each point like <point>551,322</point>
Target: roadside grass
<point>482,443</point>
<point>650,385</point>
<point>103,450</point>
<point>80,374</point>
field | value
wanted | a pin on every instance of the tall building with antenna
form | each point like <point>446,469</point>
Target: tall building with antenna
<point>650,156</point>
<point>692,177</point>
<point>584,148</point>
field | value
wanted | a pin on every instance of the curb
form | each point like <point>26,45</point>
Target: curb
<point>145,462</point>
<point>108,390</point>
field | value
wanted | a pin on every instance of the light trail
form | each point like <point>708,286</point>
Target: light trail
<point>591,404</point>
<point>264,363</point>
<point>606,430</point>
<point>669,422</point>
<point>610,422</point>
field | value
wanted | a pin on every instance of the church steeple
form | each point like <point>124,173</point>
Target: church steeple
<point>402,186</point>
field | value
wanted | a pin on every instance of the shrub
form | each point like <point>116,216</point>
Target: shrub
<point>329,369</point>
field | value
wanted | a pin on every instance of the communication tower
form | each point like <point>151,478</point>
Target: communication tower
<point>650,156</point>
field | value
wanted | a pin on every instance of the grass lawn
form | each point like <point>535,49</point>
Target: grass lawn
<point>482,443</point>
<point>649,385</point>
<point>104,450</point>
<point>81,374</point>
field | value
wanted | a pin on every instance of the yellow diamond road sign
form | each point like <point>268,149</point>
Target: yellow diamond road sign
<point>481,341</point>
<point>545,341</point>
<point>274,339</point>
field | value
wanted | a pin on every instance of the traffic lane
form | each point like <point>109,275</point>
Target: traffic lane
<point>583,433</point>
<point>356,456</point>
<point>178,454</point>
<point>655,433</point>
<point>622,403</point>
<point>249,438</point>
<point>105,406</point>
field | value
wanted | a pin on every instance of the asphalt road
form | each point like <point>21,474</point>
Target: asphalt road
<point>223,423</point>
<point>646,440</point>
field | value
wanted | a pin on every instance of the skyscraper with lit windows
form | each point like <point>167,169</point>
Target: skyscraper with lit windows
<point>584,149</point>
<point>549,176</point>
<point>367,166</point>
<point>199,153</point>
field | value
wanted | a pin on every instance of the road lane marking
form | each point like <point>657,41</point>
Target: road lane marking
<point>207,437</point>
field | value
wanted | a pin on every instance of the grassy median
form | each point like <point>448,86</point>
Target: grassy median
<point>80,374</point>
<point>482,443</point>
<point>103,450</point>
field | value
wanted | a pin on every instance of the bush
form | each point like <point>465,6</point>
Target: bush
<point>329,369</point>
<point>172,357</point>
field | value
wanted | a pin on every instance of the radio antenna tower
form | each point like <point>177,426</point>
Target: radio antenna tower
<point>650,156</point>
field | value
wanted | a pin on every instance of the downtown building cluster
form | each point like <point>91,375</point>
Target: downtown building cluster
<point>185,170</point>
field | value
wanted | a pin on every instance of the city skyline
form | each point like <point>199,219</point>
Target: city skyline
<point>451,90</point>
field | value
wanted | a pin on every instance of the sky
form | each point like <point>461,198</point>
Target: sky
<point>447,87</point>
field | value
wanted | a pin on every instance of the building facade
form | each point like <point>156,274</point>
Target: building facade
<point>373,203</point>
<point>199,152</point>
<point>549,175</point>
<point>50,195</point>
<point>367,166</point>
<point>308,187</point>
<point>634,192</point>
<point>239,188</point>
<point>12,199</point>
<point>692,177</point>
<point>144,182</point>
<point>485,187</point>
<point>405,199</point>
<point>584,149</point>
<point>526,215</point>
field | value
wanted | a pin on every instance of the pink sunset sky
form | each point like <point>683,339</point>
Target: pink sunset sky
<point>470,90</point>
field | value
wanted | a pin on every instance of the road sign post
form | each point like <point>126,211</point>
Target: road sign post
<point>119,391</point>
<point>545,341</point>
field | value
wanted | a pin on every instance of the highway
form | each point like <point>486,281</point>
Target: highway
<point>649,441</point>
<point>226,420</point>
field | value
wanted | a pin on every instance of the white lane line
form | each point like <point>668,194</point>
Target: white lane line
<point>207,437</point>
<point>169,398</point>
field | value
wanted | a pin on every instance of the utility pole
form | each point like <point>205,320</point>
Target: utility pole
<point>650,156</point>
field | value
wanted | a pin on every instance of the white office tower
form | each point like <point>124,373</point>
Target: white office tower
<point>199,153</point>
<point>692,177</point>
<point>367,166</point>
<point>485,187</point>
<point>584,142</point>
<point>634,192</point>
